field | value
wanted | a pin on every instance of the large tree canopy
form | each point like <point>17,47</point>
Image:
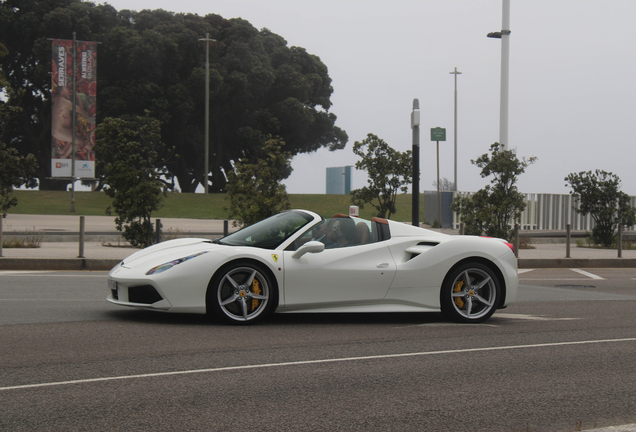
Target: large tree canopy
<point>153,60</point>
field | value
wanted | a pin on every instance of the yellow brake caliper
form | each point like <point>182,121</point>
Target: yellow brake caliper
<point>458,300</point>
<point>256,289</point>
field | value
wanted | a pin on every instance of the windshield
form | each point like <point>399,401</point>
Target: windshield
<point>269,233</point>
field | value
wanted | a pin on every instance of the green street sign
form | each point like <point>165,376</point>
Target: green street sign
<point>438,134</point>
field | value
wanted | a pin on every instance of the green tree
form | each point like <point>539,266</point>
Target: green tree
<point>24,29</point>
<point>130,153</point>
<point>254,187</point>
<point>153,60</point>
<point>15,171</point>
<point>599,195</point>
<point>3,77</point>
<point>389,171</point>
<point>495,207</point>
<point>445,185</point>
<point>473,211</point>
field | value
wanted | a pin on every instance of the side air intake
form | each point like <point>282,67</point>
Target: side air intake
<point>418,249</point>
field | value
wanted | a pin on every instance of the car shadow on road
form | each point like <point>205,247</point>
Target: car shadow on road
<point>412,318</point>
<point>159,318</point>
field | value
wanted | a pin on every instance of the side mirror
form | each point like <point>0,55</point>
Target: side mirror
<point>309,247</point>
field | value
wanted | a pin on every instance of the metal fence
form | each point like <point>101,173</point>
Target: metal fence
<point>549,212</point>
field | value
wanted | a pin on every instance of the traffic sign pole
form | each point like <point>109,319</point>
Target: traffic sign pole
<point>438,134</point>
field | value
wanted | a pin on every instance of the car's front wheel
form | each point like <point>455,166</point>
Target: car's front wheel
<point>470,293</point>
<point>241,293</point>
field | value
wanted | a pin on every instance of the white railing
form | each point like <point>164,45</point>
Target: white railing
<point>550,212</point>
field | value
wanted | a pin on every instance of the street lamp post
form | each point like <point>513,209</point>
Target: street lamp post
<point>206,163</point>
<point>504,35</point>
<point>455,127</point>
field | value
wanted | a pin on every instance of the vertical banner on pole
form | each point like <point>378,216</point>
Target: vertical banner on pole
<point>64,96</point>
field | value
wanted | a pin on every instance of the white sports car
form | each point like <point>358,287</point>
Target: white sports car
<point>298,261</point>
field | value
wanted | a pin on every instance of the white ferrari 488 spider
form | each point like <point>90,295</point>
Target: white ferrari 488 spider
<point>298,261</point>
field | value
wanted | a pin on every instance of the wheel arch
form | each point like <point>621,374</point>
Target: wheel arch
<point>488,263</point>
<point>262,265</point>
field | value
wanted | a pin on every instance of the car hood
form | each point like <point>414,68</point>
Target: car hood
<point>170,250</point>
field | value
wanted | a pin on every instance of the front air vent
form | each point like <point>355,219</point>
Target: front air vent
<point>144,294</point>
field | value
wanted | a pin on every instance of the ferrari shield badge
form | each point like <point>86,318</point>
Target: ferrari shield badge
<point>275,257</point>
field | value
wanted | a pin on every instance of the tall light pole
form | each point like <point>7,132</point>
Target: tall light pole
<point>504,35</point>
<point>206,166</point>
<point>455,128</point>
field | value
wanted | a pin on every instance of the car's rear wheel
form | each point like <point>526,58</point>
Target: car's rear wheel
<point>470,293</point>
<point>241,293</point>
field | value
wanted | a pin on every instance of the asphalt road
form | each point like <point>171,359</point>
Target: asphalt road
<point>562,359</point>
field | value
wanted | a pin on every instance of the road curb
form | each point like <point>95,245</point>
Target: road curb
<point>107,264</point>
<point>526,263</point>
<point>57,264</point>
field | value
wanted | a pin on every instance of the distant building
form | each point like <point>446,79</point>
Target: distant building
<point>339,180</point>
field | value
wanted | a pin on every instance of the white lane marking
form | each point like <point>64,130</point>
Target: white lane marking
<point>555,279</point>
<point>590,275</point>
<point>531,317</point>
<point>310,362</point>
<point>621,428</point>
<point>449,324</point>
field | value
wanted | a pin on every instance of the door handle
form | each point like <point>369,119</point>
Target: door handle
<point>383,265</point>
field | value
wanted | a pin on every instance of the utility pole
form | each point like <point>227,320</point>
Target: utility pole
<point>455,130</point>
<point>206,160</point>
<point>504,35</point>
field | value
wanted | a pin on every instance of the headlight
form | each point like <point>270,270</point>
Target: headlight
<point>167,266</point>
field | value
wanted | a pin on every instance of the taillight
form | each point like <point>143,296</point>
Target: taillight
<point>511,246</point>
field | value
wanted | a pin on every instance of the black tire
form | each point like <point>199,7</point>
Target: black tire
<point>470,293</point>
<point>241,293</point>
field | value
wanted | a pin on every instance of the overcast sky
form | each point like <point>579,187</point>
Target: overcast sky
<point>572,80</point>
